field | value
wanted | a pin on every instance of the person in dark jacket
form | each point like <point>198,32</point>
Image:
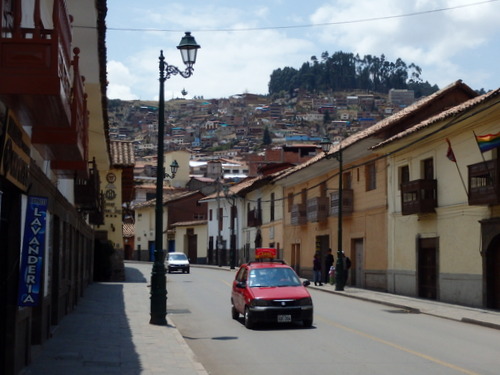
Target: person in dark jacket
<point>317,270</point>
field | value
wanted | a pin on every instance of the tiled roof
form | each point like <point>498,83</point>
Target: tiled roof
<point>128,230</point>
<point>399,117</point>
<point>189,223</point>
<point>122,154</point>
<point>246,185</point>
<point>452,112</point>
<point>167,197</point>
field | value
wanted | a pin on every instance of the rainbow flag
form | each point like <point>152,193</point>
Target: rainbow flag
<point>488,141</point>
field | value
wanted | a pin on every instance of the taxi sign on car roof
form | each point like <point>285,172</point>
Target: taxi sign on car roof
<point>265,253</point>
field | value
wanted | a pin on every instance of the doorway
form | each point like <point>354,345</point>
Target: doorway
<point>427,268</point>
<point>192,245</point>
<point>322,246</point>
<point>492,261</point>
<point>357,272</point>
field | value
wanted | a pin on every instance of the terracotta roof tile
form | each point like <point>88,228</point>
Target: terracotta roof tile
<point>122,154</point>
<point>452,112</point>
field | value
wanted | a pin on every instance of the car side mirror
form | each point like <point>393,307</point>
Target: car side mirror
<point>241,284</point>
<point>306,283</point>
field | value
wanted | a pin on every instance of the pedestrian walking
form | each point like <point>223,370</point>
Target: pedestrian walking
<point>329,260</point>
<point>317,270</point>
<point>347,267</point>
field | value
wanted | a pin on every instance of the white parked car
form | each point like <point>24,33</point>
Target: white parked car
<point>177,262</point>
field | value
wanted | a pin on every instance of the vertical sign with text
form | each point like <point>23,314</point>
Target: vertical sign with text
<point>30,275</point>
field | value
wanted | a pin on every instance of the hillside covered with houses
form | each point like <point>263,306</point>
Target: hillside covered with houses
<point>411,174</point>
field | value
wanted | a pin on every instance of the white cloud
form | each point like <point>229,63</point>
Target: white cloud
<point>447,45</point>
<point>120,81</point>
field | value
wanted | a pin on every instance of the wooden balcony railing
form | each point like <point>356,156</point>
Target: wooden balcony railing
<point>298,214</point>
<point>317,209</point>
<point>35,63</point>
<point>418,197</point>
<point>347,202</point>
<point>88,197</point>
<point>70,147</point>
<point>254,218</point>
<point>483,183</point>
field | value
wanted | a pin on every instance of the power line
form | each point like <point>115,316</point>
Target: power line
<point>361,20</point>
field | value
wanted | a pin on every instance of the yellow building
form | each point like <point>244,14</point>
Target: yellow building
<point>444,230</point>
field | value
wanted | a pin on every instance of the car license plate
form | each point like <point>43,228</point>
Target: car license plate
<point>284,318</point>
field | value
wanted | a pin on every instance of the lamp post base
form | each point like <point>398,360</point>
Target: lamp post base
<point>158,296</point>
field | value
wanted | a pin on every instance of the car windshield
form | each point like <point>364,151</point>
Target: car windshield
<point>177,257</point>
<point>273,277</point>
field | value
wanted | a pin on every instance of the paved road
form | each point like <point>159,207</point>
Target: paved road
<point>349,336</point>
<point>109,331</point>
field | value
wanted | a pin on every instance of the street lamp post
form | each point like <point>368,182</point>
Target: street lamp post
<point>232,216</point>
<point>340,264</point>
<point>188,48</point>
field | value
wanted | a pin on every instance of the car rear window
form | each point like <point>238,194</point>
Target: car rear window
<point>273,277</point>
<point>177,257</point>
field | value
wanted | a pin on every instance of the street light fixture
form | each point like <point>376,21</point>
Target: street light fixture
<point>188,48</point>
<point>340,264</point>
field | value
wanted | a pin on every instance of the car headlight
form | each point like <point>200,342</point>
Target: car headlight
<point>260,302</point>
<point>305,301</point>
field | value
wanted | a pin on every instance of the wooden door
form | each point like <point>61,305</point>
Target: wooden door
<point>427,268</point>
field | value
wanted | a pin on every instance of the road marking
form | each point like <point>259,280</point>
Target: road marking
<point>399,347</point>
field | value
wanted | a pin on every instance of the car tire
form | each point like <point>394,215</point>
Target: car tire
<point>169,270</point>
<point>307,323</point>
<point>188,270</point>
<point>248,318</point>
<point>234,313</point>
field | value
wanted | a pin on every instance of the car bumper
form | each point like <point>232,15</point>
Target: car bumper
<point>276,315</point>
<point>178,267</point>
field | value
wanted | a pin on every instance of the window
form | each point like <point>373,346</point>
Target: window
<point>347,180</point>
<point>272,207</point>
<point>303,194</point>
<point>290,202</point>
<point>220,216</point>
<point>210,214</point>
<point>404,175</point>
<point>428,169</point>
<point>371,177</point>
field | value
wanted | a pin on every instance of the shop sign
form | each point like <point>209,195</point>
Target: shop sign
<point>32,252</point>
<point>265,253</point>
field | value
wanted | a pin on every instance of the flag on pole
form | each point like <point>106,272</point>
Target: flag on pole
<point>450,154</point>
<point>488,141</point>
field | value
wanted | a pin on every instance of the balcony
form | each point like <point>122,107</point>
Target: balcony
<point>347,202</point>
<point>88,197</point>
<point>254,218</point>
<point>41,83</point>
<point>418,197</point>
<point>69,146</point>
<point>317,209</point>
<point>299,214</point>
<point>483,183</point>
<point>35,65</point>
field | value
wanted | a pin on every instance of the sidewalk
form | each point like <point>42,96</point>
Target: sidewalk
<point>109,332</point>
<point>487,318</point>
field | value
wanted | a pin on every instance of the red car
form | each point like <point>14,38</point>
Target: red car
<point>270,292</point>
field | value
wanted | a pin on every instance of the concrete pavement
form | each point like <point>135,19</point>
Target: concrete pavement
<point>109,331</point>
<point>487,318</point>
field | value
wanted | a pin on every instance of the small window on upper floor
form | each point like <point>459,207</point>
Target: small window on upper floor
<point>403,175</point>
<point>428,169</point>
<point>371,177</point>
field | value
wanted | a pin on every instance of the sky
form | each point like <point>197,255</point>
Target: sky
<point>243,41</point>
